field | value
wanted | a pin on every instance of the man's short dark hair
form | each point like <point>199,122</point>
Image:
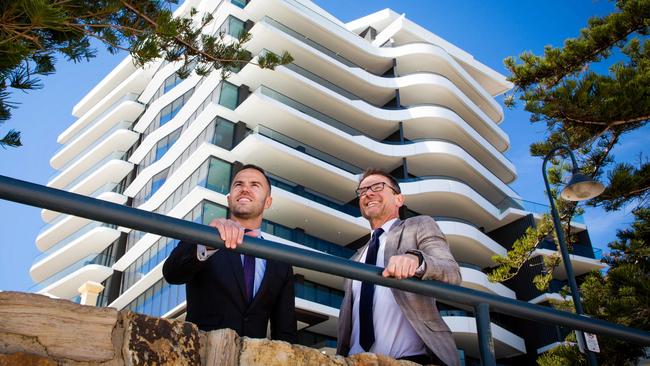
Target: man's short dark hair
<point>373,171</point>
<point>255,167</point>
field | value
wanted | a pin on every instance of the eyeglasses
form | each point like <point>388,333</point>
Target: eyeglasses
<point>376,187</point>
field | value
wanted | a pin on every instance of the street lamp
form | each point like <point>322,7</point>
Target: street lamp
<point>579,188</point>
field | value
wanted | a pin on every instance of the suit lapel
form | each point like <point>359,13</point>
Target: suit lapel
<point>238,270</point>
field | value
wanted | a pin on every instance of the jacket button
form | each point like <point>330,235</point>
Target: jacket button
<point>245,319</point>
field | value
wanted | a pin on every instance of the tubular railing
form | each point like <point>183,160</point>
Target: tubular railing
<point>94,209</point>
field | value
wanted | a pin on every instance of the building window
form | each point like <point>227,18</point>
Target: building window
<point>229,95</point>
<point>232,26</point>
<point>224,132</point>
<point>166,142</point>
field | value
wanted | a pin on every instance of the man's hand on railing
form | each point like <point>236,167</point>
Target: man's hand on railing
<point>401,266</point>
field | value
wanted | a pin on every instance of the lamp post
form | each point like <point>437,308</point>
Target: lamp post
<point>579,188</point>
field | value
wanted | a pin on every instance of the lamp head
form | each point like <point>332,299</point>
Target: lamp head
<point>581,188</point>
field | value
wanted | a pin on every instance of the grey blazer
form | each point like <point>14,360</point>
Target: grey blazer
<point>423,234</point>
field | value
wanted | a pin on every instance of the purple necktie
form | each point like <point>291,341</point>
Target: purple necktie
<point>249,273</point>
<point>366,322</point>
<point>249,276</point>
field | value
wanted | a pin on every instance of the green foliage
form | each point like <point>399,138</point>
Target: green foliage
<point>509,265</point>
<point>625,183</point>
<point>585,110</point>
<point>622,296</point>
<point>34,32</point>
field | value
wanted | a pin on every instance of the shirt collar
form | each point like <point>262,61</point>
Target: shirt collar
<point>387,225</point>
<point>256,233</point>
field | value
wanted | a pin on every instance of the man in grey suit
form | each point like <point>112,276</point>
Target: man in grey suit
<point>387,321</point>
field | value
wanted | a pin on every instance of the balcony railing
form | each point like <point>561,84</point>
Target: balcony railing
<point>483,303</point>
<point>534,207</point>
<point>316,197</point>
<point>281,27</point>
<point>306,149</point>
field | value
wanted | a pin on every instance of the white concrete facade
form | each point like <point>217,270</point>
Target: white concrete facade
<point>405,101</point>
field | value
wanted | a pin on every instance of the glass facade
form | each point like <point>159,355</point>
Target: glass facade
<point>200,177</point>
<point>318,293</point>
<point>315,340</point>
<point>160,250</point>
<point>219,132</point>
<point>158,299</point>
<point>167,113</point>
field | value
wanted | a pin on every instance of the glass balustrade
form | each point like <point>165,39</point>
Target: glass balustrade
<point>309,111</point>
<point>534,207</point>
<point>306,149</point>
<point>281,27</point>
<point>313,196</point>
<point>72,237</point>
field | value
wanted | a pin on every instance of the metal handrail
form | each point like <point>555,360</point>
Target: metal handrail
<point>94,209</point>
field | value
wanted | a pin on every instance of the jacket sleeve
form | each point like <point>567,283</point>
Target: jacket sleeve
<point>283,316</point>
<point>439,263</point>
<point>182,264</point>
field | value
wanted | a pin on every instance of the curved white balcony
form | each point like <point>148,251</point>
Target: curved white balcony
<point>94,238</point>
<point>581,264</point>
<point>506,343</point>
<point>313,90</point>
<point>116,142</point>
<point>352,50</point>
<point>121,114</point>
<point>107,192</point>
<point>468,244</point>
<point>65,283</point>
<point>316,129</point>
<point>475,279</point>
<point>376,89</point>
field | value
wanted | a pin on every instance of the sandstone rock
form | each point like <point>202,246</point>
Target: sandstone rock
<point>59,329</point>
<point>222,348</point>
<point>25,359</point>
<point>264,352</point>
<point>371,359</point>
<point>155,341</point>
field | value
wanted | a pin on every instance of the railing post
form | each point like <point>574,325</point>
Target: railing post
<point>485,342</point>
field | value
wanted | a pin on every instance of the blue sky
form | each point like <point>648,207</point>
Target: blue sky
<point>489,30</point>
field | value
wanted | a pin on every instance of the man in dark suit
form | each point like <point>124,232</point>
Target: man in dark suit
<point>230,290</point>
<point>387,321</point>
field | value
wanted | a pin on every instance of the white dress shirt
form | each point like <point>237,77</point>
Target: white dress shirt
<point>394,335</point>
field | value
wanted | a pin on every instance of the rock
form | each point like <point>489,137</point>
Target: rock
<point>222,348</point>
<point>26,359</point>
<point>155,341</point>
<point>264,352</point>
<point>59,329</point>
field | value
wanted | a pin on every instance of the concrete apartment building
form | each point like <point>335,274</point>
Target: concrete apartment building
<point>378,91</point>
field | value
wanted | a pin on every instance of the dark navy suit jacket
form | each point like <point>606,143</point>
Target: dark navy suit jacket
<point>216,294</point>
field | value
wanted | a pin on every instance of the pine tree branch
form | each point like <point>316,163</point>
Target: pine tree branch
<point>177,38</point>
<point>608,124</point>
